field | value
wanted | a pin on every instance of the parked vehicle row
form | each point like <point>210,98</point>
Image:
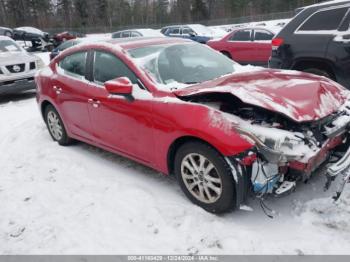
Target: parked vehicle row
<point>246,46</point>
<point>317,41</point>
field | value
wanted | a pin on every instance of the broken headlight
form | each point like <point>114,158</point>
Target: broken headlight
<point>276,145</point>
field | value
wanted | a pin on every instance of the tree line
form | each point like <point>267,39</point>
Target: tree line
<point>127,13</point>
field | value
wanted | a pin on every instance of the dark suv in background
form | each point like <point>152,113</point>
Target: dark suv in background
<point>317,41</point>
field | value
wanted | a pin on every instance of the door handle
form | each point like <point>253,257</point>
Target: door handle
<point>57,89</point>
<point>95,103</point>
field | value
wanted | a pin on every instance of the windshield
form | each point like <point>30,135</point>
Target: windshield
<point>186,64</point>
<point>9,46</point>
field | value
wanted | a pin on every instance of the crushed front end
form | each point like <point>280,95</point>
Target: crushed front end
<point>288,152</point>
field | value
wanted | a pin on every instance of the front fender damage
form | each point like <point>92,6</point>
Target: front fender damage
<point>284,151</point>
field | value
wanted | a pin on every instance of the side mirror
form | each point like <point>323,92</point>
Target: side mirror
<point>119,86</point>
<point>192,34</point>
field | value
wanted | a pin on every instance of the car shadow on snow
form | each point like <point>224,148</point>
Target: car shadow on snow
<point>281,207</point>
<point>17,97</point>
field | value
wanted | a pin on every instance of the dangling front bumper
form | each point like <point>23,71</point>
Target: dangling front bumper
<point>341,168</point>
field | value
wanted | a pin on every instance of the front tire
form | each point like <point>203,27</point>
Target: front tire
<point>56,127</point>
<point>205,177</point>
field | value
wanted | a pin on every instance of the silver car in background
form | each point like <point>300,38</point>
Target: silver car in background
<point>17,67</point>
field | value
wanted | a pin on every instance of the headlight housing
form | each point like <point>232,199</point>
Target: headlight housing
<point>276,145</point>
<point>40,64</point>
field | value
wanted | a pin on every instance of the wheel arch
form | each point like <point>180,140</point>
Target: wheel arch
<point>177,144</point>
<point>43,106</point>
<point>240,182</point>
<point>322,64</point>
<point>226,53</point>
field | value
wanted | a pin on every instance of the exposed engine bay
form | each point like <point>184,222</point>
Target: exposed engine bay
<point>285,151</point>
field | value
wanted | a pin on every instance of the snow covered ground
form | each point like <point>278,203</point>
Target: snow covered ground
<point>83,200</point>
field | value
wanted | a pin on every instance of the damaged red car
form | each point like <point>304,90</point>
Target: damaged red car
<point>182,108</point>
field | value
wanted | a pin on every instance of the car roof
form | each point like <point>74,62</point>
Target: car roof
<point>253,28</point>
<point>322,5</point>
<point>329,3</point>
<point>134,43</point>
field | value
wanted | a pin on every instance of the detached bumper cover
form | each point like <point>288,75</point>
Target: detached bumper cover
<point>341,166</point>
<point>12,87</point>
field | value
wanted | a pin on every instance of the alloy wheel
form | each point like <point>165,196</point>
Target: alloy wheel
<point>201,178</point>
<point>54,125</point>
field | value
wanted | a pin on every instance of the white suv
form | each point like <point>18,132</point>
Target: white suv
<point>17,67</point>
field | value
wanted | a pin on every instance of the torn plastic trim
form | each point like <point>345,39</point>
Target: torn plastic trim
<point>240,179</point>
<point>341,166</point>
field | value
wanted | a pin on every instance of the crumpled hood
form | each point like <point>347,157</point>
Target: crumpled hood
<point>13,58</point>
<point>299,96</point>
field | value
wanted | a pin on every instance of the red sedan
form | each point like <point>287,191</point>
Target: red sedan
<point>246,46</point>
<point>184,109</point>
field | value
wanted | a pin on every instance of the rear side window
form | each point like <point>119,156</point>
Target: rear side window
<point>108,67</point>
<point>116,35</point>
<point>126,34</point>
<point>325,20</point>
<point>135,34</point>
<point>74,64</point>
<point>175,31</point>
<point>242,35</point>
<point>187,31</point>
<point>262,35</point>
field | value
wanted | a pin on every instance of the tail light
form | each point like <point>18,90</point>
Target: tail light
<point>276,43</point>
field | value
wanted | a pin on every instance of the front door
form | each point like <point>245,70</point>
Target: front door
<point>120,123</point>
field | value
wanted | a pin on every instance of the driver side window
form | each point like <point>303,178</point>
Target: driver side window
<point>187,31</point>
<point>74,65</point>
<point>108,67</point>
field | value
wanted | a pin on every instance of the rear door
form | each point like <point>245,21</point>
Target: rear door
<point>339,51</point>
<point>263,47</point>
<point>241,46</point>
<point>72,93</point>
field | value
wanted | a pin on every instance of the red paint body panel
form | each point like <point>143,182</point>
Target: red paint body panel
<point>145,128</point>
<point>319,158</point>
<point>299,96</point>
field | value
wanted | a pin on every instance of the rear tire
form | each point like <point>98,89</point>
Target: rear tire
<point>227,54</point>
<point>56,127</point>
<point>8,33</point>
<point>205,177</point>
<point>319,72</point>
